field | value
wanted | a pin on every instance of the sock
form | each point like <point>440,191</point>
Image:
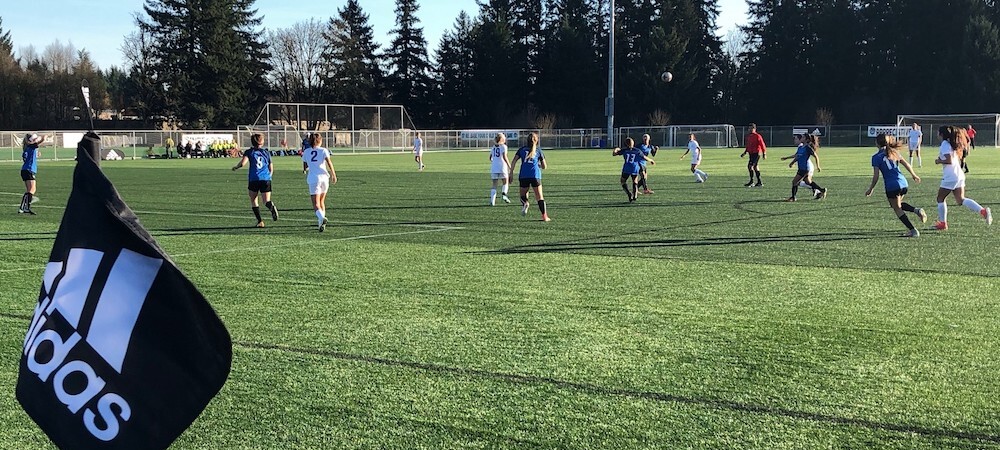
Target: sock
<point>493,195</point>
<point>625,188</point>
<point>698,177</point>
<point>971,204</point>
<point>256,213</point>
<point>270,206</point>
<point>804,184</point>
<point>943,212</point>
<point>541,207</point>
<point>795,190</point>
<point>642,181</point>
<point>505,189</point>
<point>25,201</point>
<point>920,161</point>
<point>524,199</point>
<point>908,207</point>
<point>320,215</point>
<point>815,186</point>
<point>701,174</point>
<point>906,221</point>
<point>757,172</point>
<point>751,174</point>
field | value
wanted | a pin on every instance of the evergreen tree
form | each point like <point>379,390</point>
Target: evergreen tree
<point>569,53</point>
<point>210,58</point>
<point>497,83</point>
<point>10,76</point>
<point>454,73</point>
<point>354,74</point>
<point>409,80</point>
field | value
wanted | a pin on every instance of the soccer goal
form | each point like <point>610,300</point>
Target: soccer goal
<point>987,126</point>
<point>708,136</point>
<point>350,127</point>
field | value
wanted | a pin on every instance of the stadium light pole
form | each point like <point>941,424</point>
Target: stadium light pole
<point>609,104</point>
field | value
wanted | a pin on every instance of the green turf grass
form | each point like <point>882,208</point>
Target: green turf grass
<point>703,316</point>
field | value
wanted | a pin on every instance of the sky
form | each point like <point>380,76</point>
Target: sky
<point>100,26</point>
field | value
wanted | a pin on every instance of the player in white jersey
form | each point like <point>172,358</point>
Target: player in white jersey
<point>418,151</point>
<point>317,165</point>
<point>499,168</point>
<point>915,138</point>
<point>695,150</point>
<point>953,141</point>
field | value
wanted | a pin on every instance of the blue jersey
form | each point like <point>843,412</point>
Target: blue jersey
<point>260,162</point>
<point>802,156</point>
<point>634,157</point>
<point>530,166</point>
<point>646,150</point>
<point>30,158</point>
<point>894,179</point>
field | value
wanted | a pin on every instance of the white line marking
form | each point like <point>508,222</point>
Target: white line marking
<point>293,244</point>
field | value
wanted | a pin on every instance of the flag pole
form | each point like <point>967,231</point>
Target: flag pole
<point>91,142</point>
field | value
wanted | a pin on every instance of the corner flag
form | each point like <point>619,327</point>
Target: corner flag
<point>122,352</point>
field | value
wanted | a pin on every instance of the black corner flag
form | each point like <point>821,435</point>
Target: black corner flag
<point>123,352</point>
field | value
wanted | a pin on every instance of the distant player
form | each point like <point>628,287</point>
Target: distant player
<point>886,162</point>
<point>757,150</point>
<point>971,132</point>
<point>647,150</point>
<point>499,168</point>
<point>916,137</point>
<point>533,162</point>
<point>318,167</point>
<point>953,141</point>
<point>631,168</point>
<point>807,146</point>
<point>261,169</point>
<point>29,155</point>
<point>418,151</point>
<point>695,150</point>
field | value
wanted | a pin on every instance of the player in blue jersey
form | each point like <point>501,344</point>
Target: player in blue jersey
<point>647,150</point>
<point>261,169</point>
<point>533,162</point>
<point>807,148</point>
<point>886,163</point>
<point>29,154</point>
<point>632,168</point>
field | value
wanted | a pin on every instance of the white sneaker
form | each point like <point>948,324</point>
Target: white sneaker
<point>912,233</point>
<point>988,215</point>
<point>34,199</point>
<point>506,199</point>
<point>922,215</point>
<point>524,209</point>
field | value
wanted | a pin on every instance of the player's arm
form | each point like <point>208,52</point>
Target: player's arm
<point>270,168</point>
<point>686,151</point>
<point>871,188</point>
<point>816,158</point>
<point>617,151</point>
<point>513,164</point>
<point>649,159</point>
<point>329,168</point>
<point>541,162</point>
<point>506,161</point>
<point>909,168</point>
<point>305,167</point>
<point>243,162</point>
<point>763,148</point>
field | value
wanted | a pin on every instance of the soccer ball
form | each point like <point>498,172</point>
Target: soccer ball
<point>666,77</point>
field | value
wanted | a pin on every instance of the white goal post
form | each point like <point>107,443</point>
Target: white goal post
<point>708,136</point>
<point>987,126</point>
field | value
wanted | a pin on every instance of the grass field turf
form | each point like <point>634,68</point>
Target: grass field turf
<point>703,316</point>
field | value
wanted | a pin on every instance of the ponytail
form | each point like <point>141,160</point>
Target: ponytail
<point>533,138</point>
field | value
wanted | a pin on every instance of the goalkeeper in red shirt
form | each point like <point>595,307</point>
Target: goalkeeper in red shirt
<point>757,150</point>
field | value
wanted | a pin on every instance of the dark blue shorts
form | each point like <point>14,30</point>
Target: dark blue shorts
<point>895,193</point>
<point>27,175</point>
<point>530,182</point>
<point>259,186</point>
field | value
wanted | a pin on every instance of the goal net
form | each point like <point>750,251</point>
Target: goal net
<point>708,136</point>
<point>987,126</point>
<point>364,127</point>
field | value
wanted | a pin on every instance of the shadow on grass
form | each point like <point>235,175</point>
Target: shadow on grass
<point>594,389</point>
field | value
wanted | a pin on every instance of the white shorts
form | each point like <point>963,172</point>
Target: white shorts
<point>319,186</point>
<point>418,152</point>
<point>695,162</point>
<point>499,176</point>
<point>952,183</point>
<point>914,147</point>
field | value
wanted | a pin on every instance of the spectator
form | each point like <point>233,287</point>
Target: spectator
<point>168,146</point>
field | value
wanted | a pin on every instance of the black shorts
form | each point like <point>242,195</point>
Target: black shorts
<point>754,158</point>
<point>530,182</point>
<point>259,186</point>
<point>965,153</point>
<point>27,175</point>
<point>802,173</point>
<point>896,193</point>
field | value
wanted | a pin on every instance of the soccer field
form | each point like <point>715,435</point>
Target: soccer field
<point>702,316</point>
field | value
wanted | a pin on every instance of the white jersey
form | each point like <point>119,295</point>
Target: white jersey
<point>497,162</point>
<point>315,157</point>
<point>418,145</point>
<point>695,151</point>
<point>951,173</point>
<point>915,137</point>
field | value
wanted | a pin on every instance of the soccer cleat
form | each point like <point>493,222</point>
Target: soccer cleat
<point>34,199</point>
<point>545,218</point>
<point>274,213</point>
<point>20,211</point>
<point>748,183</point>
<point>699,180</point>
<point>988,215</point>
<point>524,209</point>
<point>322,226</point>
<point>790,199</point>
<point>647,191</point>
<point>759,184</point>
<point>260,224</point>
<point>506,199</point>
<point>706,177</point>
<point>822,194</point>
<point>912,233</point>
<point>922,215</point>
<point>941,225</point>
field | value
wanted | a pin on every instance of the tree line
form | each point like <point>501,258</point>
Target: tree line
<point>531,63</point>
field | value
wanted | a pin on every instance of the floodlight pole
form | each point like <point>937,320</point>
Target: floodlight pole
<point>609,105</point>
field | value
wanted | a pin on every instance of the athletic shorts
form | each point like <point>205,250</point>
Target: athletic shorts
<point>754,158</point>
<point>803,173</point>
<point>418,152</point>
<point>951,184</point>
<point>259,186</point>
<point>27,175</point>
<point>319,186</point>
<point>498,176</point>
<point>965,153</point>
<point>914,147</point>
<point>695,162</point>
<point>530,182</point>
<point>629,174</point>
<point>895,193</point>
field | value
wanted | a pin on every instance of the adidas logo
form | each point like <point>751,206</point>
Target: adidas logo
<point>77,340</point>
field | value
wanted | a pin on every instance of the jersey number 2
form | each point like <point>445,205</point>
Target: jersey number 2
<point>315,154</point>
